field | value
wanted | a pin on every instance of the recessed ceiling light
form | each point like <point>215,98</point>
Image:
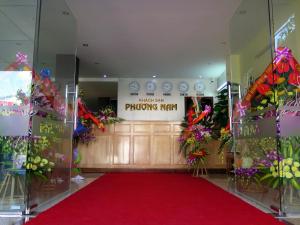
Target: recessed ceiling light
<point>242,12</point>
<point>85,45</point>
<point>65,13</point>
<point>154,76</point>
<point>105,76</point>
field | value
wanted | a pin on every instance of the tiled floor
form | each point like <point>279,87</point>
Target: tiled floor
<point>220,180</point>
<point>225,183</point>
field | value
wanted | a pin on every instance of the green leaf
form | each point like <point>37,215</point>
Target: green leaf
<point>276,183</point>
<point>256,179</point>
<point>295,184</point>
<point>266,177</point>
<point>290,150</point>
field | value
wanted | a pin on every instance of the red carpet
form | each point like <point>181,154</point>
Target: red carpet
<point>152,198</point>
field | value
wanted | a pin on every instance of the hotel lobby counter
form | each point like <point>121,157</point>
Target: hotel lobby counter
<point>141,145</point>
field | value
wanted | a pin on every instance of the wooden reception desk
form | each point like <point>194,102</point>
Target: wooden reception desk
<point>140,145</point>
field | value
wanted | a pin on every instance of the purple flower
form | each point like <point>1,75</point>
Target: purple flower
<point>248,172</point>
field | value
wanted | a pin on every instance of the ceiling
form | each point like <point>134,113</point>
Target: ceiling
<point>139,38</point>
<point>17,24</point>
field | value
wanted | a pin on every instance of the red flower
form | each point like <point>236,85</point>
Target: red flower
<point>294,78</point>
<point>283,66</point>
<point>272,78</point>
<point>263,89</point>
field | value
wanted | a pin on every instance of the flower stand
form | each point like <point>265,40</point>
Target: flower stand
<point>200,168</point>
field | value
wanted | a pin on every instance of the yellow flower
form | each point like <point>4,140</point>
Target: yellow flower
<point>275,163</point>
<point>286,168</point>
<point>275,174</point>
<point>288,175</point>
<point>28,166</point>
<point>37,159</point>
<point>297,173</point>
<point>281,174</point>
<point>280,80</point>
<point>294,169</point>
<point>289,161</point>
<point>34,167</point>
<point>264,101</point>
<point>260,108</point>
<point>272,168</point>
<point>296,164</point>
<point>44,161</point>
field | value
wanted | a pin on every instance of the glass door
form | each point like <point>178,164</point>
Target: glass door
<point>18,22</point>
<point>286,21</point>
<point>50,157</point>
<point>255,116</point>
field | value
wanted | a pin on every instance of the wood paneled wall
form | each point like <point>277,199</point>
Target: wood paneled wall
<point>140,145</point>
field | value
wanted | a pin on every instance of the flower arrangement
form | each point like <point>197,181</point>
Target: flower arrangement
<point>278,85</point>
<point>108,116</point>
<point>283,166</point>
<point>225,138</point>
<point>84,131</point>
<point>193,138</point>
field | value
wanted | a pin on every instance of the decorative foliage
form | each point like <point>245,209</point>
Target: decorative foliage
<point>221,116</point>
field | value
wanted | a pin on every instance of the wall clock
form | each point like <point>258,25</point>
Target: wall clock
<point>183,87</point>
<point>199,86</point>
<point>134,86</point>
<point>167,87</point>
<point>150,86</point>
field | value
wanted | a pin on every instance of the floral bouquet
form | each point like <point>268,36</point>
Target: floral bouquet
<point>248,175</point>
<point>191,141</point>
<point>225,138</point>
<point>108,116</point>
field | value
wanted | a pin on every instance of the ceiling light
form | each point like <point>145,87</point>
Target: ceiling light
<point>242,12</point>
<point>65,13</point>
<point>105,76</point>
<point>154,76</point>
<point>85,45</point>
<point>200,76</point>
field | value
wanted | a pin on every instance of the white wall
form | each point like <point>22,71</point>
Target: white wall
<point>175,114</point>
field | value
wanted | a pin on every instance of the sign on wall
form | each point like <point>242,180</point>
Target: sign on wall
<point>159,99</point>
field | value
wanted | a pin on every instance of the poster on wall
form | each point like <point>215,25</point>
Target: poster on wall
<point>158,99</point>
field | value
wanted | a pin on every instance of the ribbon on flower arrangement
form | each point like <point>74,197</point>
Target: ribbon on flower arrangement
<point>21,58</point>
<point>204,113</point>
<point>241,109</point>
